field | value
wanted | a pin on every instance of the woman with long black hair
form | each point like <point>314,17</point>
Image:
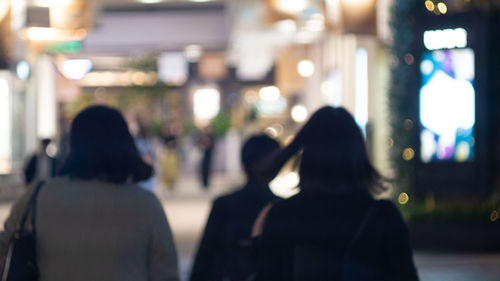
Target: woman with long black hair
<point>333,229</point>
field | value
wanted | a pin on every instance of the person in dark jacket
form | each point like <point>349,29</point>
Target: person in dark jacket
<point>225,250</point>
<point>41,166</point>
<point>334,221</point>
<point>207,144</point>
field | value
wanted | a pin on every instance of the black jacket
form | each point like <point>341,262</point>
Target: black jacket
<point>305,238</point>
<point>224,252</point>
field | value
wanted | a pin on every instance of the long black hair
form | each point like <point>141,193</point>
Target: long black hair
<point>101,147</point>
<point>334,154</point>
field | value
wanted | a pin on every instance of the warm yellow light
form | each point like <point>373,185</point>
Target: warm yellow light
<point>292,7</point>
<point>288,140</point>
<point>272,132</point>
<point>4,8</point>
<point>430,5</point>
<point>403,198</point>
<point>442,8</point>
<point>408,154</point>
<point>356,2</point>
<point>54,34</point>
<point>52,3</point>
<point>494,216</point>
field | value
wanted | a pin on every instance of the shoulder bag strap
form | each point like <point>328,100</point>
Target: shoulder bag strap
<point>31,209</point>
<point>258,224</point>
<point>360,229</point>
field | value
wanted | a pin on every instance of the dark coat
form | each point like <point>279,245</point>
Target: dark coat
<point>305,238</point>
<point>223,250</point>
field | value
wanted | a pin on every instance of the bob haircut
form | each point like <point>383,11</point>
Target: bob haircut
<point>101,147</point>
<point>255,149</point>
<point>334,155</point>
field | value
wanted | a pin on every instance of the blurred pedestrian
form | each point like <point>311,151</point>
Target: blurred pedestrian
<point>207,142</point>
<point>225,251</point>
<point>41,166</point>
<point>170,157</point>
<point>333,229</point>
<point>94,222</point>
<point>147,152</point>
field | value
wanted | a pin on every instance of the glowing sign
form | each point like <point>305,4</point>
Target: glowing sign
<point>445,39</point>
<point>447,106</point>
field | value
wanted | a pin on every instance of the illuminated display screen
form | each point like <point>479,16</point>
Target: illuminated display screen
<point>447,105</point>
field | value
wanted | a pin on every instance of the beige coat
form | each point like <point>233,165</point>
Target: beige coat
<point>97,231</point>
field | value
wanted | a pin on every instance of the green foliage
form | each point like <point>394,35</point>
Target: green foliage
<point>144,63</point>
<point>448,212</point>
<point>221,123</point>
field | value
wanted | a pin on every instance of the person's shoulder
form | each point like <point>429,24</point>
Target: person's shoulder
<point>387,205</point>
<point>387,209</point>
<point>228,198</point>
<point>286,205</point>
<point>140,194</point>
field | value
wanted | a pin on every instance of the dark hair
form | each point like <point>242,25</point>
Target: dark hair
<point>101,147</point>
<point>45,142</point>
<point>255,149</point>
<point>334,154</point>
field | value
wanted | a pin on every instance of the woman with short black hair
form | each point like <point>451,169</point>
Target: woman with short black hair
<point>94,222</point>
<point>334,223</point>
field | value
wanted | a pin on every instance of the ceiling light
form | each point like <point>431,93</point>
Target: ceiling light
<point>52,3</point>
<point>292,7</point>
<point>305,68</point>
<point>76,68</point>
<point>150,1</point>
<point>193,52</point>
<point>54,34</point>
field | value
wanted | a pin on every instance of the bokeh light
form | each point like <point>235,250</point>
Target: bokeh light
<point>430,5</point>
<point>408,154</point>
<point>403,198</point>
<point>443,9</point>
<point>494,216</point>
<point>270,93</point>
<point>299,113</point>
<point>305,68</point>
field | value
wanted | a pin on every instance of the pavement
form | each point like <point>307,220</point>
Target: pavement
<point>187,207</point>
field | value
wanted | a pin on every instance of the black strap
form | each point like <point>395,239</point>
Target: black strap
<point>31,209</point>
<point>360,229</point>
